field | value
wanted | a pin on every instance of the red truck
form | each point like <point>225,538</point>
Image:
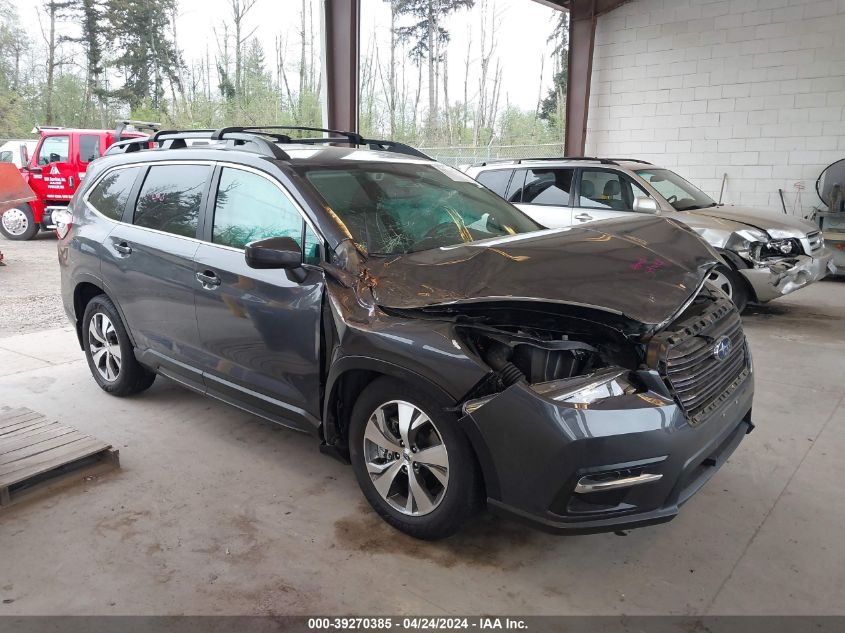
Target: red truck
<point>55,170</point>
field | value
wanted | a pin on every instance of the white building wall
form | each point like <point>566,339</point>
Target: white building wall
<point>751,88</point>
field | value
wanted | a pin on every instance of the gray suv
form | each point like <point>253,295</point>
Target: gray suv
<point>421,327</point>
<point>767,255</point>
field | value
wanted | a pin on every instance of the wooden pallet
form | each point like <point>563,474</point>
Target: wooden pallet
<point>36,452</point>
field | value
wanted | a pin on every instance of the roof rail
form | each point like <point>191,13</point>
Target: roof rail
<point>176,139</point>
<point>630,160</point>
<point>352,138</point>
<point>262,137</point>
<point>518,161</point>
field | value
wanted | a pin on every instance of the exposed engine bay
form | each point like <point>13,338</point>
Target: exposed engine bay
<point>536,345</point>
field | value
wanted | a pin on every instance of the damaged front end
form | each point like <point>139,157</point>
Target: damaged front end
<point>580,424</point>
<point>587,381</point>
<point>778,263</point>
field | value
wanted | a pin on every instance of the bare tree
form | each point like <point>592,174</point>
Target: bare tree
<point>51,10</point>
<point>239,10</point>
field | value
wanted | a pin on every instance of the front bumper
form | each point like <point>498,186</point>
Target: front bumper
<point>534,452</point>
<point>788,275</point>
<point>835,243</point>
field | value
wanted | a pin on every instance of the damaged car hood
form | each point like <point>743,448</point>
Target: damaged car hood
<point>644,268</point>
<point>756,218</point>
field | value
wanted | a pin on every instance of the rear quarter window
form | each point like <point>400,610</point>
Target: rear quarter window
<point>110,195</point>
<point>496,180</point>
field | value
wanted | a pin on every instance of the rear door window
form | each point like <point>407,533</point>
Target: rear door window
<point>111,194</point>
<point>496,180</point>
<point>251,207</point>
<point>89,147</point>
<point>171,198</point>
<point>549,187</point>
<point>54,149</point>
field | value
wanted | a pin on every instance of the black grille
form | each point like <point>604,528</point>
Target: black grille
<point>685,356</point>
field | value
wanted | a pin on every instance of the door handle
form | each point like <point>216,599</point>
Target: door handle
<point>70,181</point>
<point>208,279</point>
<point>584,217</point>
<point>123,248</point>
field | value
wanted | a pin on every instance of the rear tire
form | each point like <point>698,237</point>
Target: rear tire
<point>435,462</point>
<point>18,223</point>
<point>109,352</point>
<point>731,283</point>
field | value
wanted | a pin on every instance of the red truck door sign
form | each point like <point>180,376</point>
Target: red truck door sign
<point>54,177</point>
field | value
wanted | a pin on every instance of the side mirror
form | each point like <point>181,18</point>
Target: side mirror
<point>645,205</point>
<point>24,155</point>
<point>273,252</point>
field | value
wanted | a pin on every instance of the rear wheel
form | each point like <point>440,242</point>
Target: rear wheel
<point>18,223</point>
<point>414,466</point>
<point>731,283</point>
<point>109,350</point>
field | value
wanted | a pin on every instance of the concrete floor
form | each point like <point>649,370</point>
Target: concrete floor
<point>217,512</point>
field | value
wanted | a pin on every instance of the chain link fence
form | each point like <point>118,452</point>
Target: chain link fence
<point>461,155</point>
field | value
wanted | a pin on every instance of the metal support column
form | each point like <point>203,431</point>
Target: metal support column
<point>341,37</point>
<point>582,35</point>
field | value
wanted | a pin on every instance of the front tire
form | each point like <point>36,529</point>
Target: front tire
<point>109,350</point>
<point>731,283</point>
<point>413,464</point>
<point>18,223</point>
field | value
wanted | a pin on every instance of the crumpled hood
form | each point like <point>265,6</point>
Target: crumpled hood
<point>758,218</point>
<point>645,268</point>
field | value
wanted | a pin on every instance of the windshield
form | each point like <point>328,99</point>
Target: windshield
<point>392,208</point>
<point>678,192</point>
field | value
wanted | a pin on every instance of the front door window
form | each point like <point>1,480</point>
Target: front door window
<point>607,189</point>
<point>54,149</point>
<point>250,207</point>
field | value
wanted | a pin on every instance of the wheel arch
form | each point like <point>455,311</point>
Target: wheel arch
<point>83,293</point>
<point>347,378</point>
<point>735,262</point>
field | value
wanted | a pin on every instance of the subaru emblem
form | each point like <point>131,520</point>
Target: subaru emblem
<point>722,348</point>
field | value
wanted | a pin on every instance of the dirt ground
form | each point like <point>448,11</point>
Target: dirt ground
<point>30,298</point>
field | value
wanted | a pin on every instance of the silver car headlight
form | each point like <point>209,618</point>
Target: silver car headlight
<point>744,241</point>
<point>780,248</point>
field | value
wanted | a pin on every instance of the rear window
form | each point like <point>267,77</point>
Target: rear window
<point>171,198</point>
<point>496,180</point>
<point>110,195</point>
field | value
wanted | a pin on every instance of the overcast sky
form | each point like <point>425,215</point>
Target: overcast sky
<point>522,36</point>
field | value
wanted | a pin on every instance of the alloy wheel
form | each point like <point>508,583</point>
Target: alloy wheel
<point>718,279</point>
<point>104,346</point>
<point>15,222</point>
<point>406,458</point>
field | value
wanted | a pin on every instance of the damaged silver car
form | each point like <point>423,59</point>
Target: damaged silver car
<point>582,379</point>
<point>767,255</point>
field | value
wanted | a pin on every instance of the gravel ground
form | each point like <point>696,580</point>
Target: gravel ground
<point>30,293</point>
